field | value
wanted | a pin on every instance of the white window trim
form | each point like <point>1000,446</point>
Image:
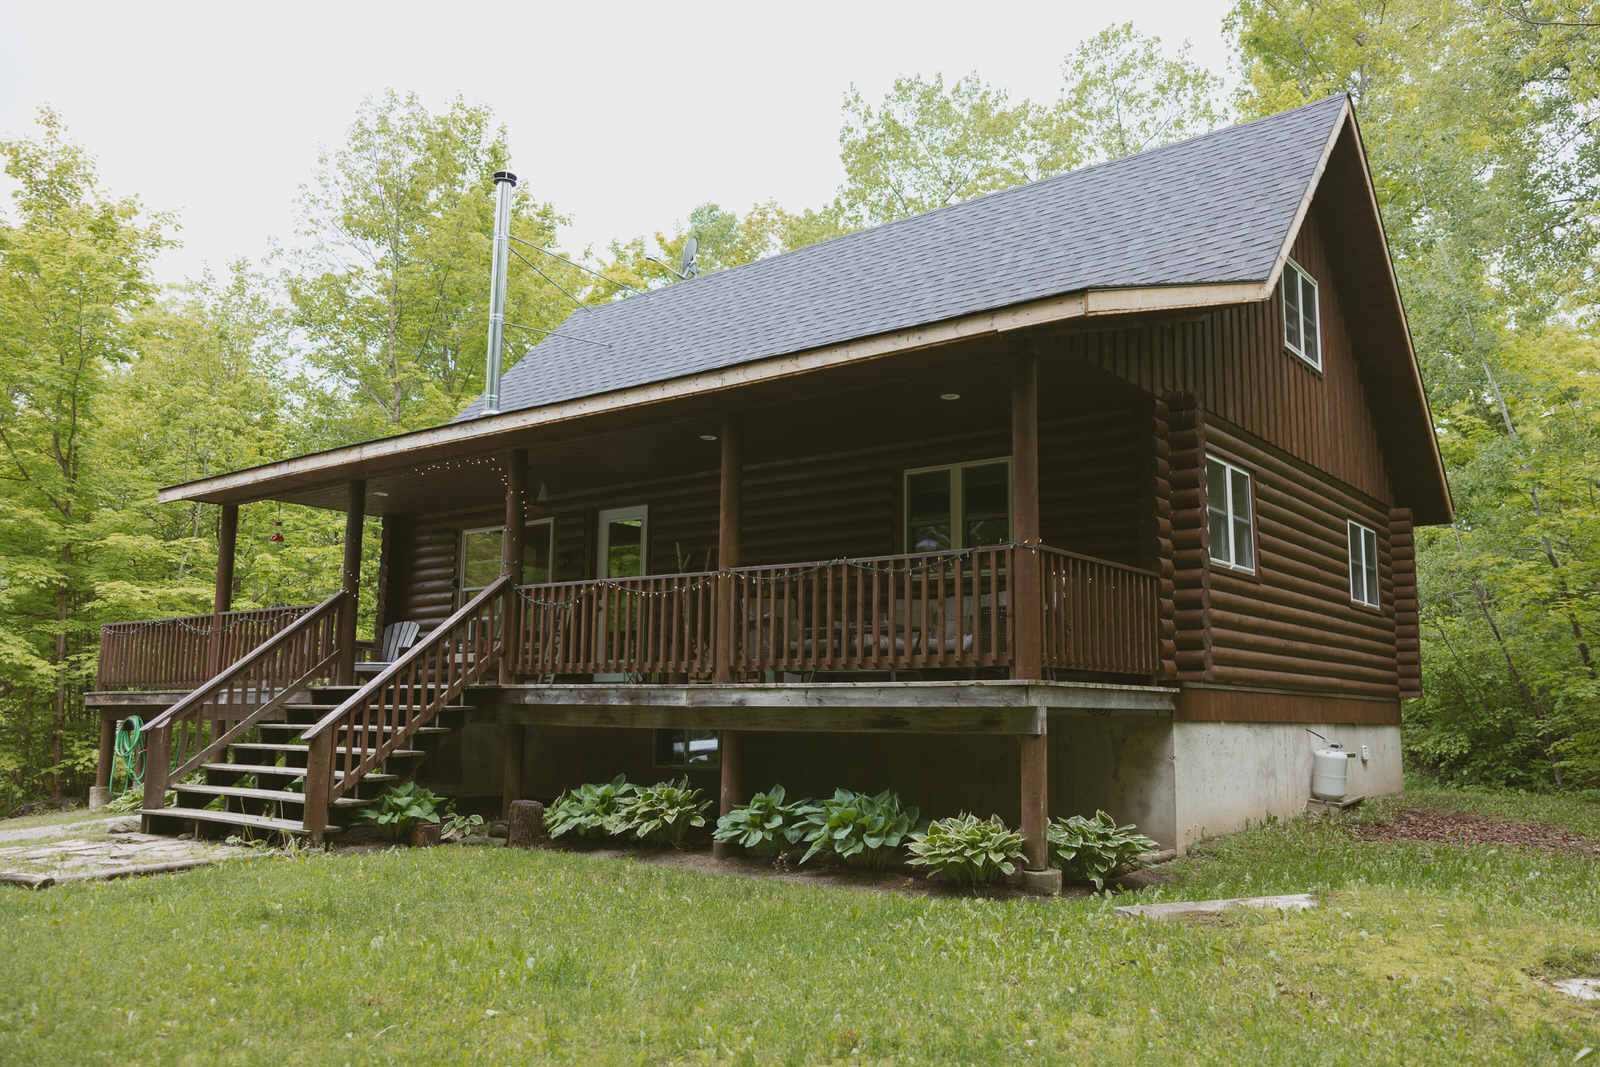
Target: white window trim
<point>1227,506</point>
<point>603,537</point>
<point>1357,534</point>
<point>957,517</point>
<point>713,764</point>
<point>464,591</point>
<point>1316,312</point>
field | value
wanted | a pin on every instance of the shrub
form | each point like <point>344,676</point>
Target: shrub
<point>401,807</point>
<point>766,825</point>
<point>662,813</point>
<point>589,810</point>
<point>966,850</point>
<point>1088,850</point>
<point>862,831</point>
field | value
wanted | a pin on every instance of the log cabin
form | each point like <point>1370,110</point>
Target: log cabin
<point>1094,493</point>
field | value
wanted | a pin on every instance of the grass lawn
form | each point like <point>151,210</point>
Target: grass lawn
<point>1427,953</point>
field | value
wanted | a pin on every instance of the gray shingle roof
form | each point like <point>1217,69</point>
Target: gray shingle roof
<point>1212,209</point>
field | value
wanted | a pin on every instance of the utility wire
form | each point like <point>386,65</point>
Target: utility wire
<point>564,337</point>
<point>580,266</point>
<point>549,279</point>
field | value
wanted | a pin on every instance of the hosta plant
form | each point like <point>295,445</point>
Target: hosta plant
<point>967,850</point>
<point>590,810</point>
<point>396,811</point>
<point>767,824</point>
<point>663,813</point>
<point>862,831</point>
<point>1088,850</point>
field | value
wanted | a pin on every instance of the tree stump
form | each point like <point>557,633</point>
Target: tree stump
<point>526,825</point>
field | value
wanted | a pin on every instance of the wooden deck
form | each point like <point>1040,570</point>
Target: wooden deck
<point>960,707</point>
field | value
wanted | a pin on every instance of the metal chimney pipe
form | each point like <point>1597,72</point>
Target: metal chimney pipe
<point>504,182</point>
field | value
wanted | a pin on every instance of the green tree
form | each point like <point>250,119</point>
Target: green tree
<point>1123,95</point>
<point>1479,121</point>
<point>390,288</point>
<point>74,279</point>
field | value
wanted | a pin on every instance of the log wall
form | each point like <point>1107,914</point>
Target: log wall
<point>1235,361</point>
<point>1096,476</point>
<point>1292,625</point>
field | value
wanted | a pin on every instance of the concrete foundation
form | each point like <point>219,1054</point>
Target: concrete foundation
<point>1178,782</point>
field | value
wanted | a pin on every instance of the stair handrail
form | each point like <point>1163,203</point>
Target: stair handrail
<point>304,668</point>
<point>397,725</point>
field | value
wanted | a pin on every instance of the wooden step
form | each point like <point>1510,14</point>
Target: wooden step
<point>291,772</point>
<point>267,746</point>
<point>261,794</point>
<point>230,818</point>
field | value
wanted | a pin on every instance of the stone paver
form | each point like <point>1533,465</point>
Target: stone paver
<point>1173,909</point>
<point>84,856</point>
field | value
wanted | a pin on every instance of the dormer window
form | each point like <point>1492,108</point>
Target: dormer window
<point>1302,327</point>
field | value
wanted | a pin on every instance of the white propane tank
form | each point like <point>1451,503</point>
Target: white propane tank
<point>1328,768</point>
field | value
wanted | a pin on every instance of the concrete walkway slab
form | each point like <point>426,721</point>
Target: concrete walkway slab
<point>1177,908</point>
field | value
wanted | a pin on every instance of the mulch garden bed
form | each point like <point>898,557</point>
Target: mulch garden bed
<point>1449,826</point>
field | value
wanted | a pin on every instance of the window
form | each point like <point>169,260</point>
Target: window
<point>480,556</point>
<point>1233,542</point>
<point>1363,565</point>
<point>688,749</point>
<point>1302,330</point>
<point>964,505</point>
<point>622,542</point>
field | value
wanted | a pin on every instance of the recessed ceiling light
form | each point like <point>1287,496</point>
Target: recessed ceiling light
<point>949,396</point>
<point>377,493</point>
<point>708,437</point>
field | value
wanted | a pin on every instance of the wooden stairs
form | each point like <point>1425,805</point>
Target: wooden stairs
<point>256,788</point>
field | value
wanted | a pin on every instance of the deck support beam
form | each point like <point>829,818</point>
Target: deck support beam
<point>222,600</point>
<point>1036,794</point>
<point>513,547</point>
<point>729,518</point>
<point>1027,616</point>
<point>730,514</point>
<point>355,514</point>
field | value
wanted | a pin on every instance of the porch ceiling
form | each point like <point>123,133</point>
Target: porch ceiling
<point>840,410</point>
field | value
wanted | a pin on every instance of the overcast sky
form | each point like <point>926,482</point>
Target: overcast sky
<point>623,115</point>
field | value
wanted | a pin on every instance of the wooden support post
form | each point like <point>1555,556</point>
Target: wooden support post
<point>730,745</point>
<point>513,545</point>
<point>729,518</point>
<point>1027,603</point>
<point>319,785</point>
<point>1036,795</point>
<point>157,762</point>
<point>516,742</point>
<point>355,515</point>
<point>108,734</point>
<point>222,600</point>
<point>100,792</point>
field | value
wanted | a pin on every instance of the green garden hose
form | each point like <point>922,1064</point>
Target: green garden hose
<point>129,754</point>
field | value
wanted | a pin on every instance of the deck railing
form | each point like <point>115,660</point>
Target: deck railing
<point>1099,616</point>
<point>909,612</point>
<point>184,653</point>
<point>216,713</point>
<point>386,713</point>
<point>660,624</point>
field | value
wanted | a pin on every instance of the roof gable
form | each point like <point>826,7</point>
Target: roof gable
<point>1216,209</point>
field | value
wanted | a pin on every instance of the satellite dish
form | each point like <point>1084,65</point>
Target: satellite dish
<point>690,268</point>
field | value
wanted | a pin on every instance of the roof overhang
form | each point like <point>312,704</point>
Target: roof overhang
<point>489,433</point>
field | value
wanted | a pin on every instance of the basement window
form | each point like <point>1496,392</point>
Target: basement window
<point>480,556</point>
<point>1302,328</point>
<point>686,749</point>
<point>1233,542</point>
<point>1363,565</point>
<point>963,505</point>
